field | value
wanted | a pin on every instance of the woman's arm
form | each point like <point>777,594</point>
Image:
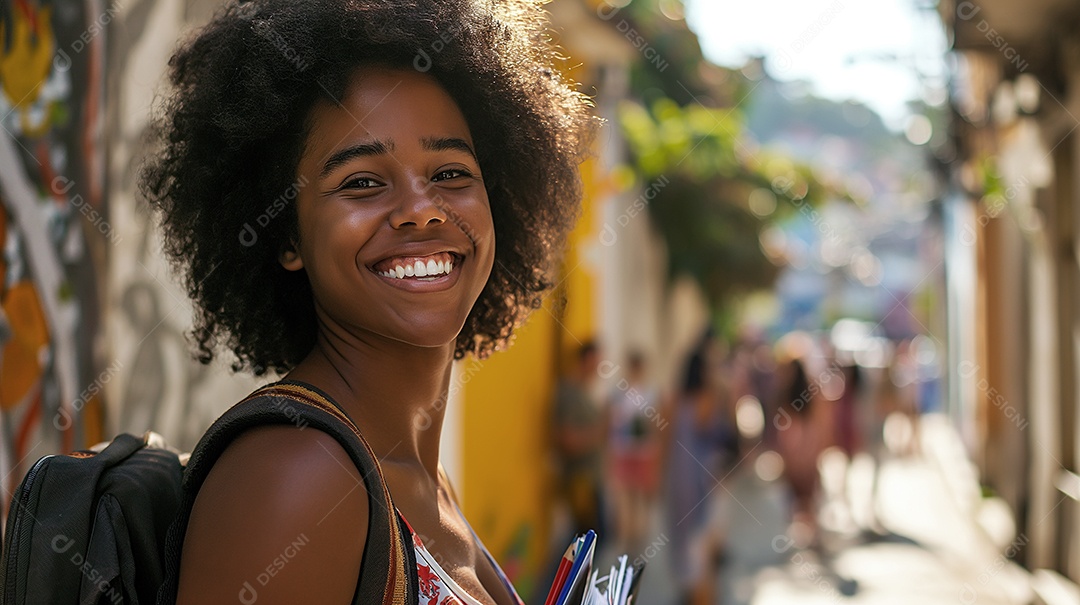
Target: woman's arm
<point>282,518</point>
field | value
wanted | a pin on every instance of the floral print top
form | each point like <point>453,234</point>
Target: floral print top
<point>437,587</point>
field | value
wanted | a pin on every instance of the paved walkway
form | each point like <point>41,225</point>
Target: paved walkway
<point>932,549</point>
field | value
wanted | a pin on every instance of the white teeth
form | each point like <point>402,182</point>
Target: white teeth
<point>431,268</point>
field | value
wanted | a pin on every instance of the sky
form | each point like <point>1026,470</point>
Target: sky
<point>867,50</point>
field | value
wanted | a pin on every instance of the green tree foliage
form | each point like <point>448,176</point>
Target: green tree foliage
<point>684,125</point>
<point>719,192</point>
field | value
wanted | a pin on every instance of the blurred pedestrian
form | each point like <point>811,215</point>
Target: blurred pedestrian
<point>904,374</point>
<point>800,442</point>
<point>765,389</point>
<point>691,468</point>
<point>579,437</point>
<point>633,452</point>
<point>847,411</point>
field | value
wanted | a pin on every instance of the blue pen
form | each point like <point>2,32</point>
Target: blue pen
<point>583,555</point>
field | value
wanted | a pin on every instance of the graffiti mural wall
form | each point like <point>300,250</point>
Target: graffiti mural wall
<point>53,226</point>
<point>92,323</point>
<point>156,384</point>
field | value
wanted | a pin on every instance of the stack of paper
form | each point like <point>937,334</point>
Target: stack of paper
<point>576,584</point>
<point>616,588</point>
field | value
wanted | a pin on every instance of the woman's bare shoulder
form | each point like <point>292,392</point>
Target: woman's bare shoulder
<point>281,518</point>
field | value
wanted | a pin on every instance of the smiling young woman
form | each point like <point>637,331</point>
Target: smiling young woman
<point>429,152</point>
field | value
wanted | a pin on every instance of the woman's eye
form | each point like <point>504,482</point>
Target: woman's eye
<point>450,173</point>
<point>360,182</point>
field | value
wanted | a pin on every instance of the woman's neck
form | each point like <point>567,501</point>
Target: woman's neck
<point>394,391</point>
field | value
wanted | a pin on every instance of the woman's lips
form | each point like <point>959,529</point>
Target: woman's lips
<point>428,273</point>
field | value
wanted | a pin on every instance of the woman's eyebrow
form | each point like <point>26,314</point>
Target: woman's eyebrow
<point>354,151</point>
<point>447,143</point>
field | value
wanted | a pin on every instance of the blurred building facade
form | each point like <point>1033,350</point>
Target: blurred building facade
<point>1013,244</point>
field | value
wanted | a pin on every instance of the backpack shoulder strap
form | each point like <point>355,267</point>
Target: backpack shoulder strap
<point>387,555</point>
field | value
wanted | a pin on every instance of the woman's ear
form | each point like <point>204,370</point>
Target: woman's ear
<point>290,258</point>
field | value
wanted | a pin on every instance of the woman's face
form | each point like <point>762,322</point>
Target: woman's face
<point>395,228</point>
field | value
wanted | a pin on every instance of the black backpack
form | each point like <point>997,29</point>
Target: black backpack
<point>90,527</point>
<point>107,526</point>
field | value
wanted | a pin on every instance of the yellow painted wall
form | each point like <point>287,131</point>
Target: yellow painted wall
<point>504,439</point>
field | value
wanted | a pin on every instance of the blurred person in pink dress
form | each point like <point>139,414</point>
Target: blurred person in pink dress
<point>801,437</point>
<point>634,425</point>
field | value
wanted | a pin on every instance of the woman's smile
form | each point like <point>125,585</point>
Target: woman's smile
<point>421,272</point>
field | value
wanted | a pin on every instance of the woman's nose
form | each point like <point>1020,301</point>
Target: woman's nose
<point>418,206</point>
